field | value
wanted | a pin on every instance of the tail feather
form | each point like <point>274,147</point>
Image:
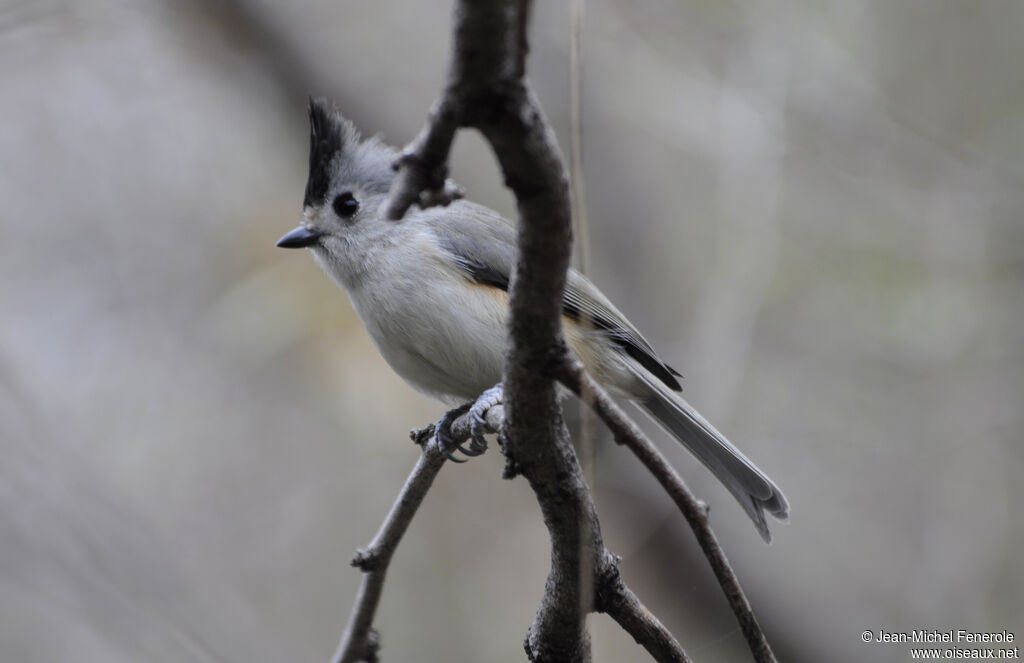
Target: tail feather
<point>755,492</point>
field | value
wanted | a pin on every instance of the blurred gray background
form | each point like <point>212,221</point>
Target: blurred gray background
<point>813,209</point>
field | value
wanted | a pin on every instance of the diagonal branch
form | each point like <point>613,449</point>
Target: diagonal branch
<point>359,642</point>
<point>423,166</point>
<point>618,601</point>
<point>626,432</point>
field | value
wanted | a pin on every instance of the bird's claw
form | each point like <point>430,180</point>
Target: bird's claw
<point>443,432</point>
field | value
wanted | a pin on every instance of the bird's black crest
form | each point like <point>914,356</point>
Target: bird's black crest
<point>326,139</point>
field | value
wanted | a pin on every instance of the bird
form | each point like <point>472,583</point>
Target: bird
<point>432,292</point>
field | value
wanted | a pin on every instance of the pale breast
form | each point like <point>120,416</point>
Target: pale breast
<point>441,332</point>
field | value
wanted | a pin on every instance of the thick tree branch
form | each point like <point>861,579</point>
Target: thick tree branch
<point>486,90</point>
<point>627,433</point>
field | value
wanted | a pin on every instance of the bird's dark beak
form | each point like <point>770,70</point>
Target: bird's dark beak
<point>299,238</point>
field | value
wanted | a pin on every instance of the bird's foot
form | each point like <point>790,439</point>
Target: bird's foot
<point>477,425</point>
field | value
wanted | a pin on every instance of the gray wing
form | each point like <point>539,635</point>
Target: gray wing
<point>482,243</point>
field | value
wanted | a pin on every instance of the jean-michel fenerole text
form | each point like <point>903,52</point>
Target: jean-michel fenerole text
<point>934,635</point>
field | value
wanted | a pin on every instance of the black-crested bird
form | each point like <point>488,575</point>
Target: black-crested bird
<point>431,290</point>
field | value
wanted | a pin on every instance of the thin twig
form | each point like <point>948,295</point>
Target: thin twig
<point>626,432</point>
<point>577,181</point>
<point>359,642</point>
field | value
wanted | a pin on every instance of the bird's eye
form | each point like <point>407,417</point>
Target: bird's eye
<point>345,205</point>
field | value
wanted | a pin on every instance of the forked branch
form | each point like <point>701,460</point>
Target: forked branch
<point>627,433</point>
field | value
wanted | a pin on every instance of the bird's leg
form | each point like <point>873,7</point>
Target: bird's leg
<point>477,424</point>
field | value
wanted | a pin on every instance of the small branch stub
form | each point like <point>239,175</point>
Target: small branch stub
<point>366,560</point>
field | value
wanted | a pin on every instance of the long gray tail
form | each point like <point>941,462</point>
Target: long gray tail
<point>755,492</point>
